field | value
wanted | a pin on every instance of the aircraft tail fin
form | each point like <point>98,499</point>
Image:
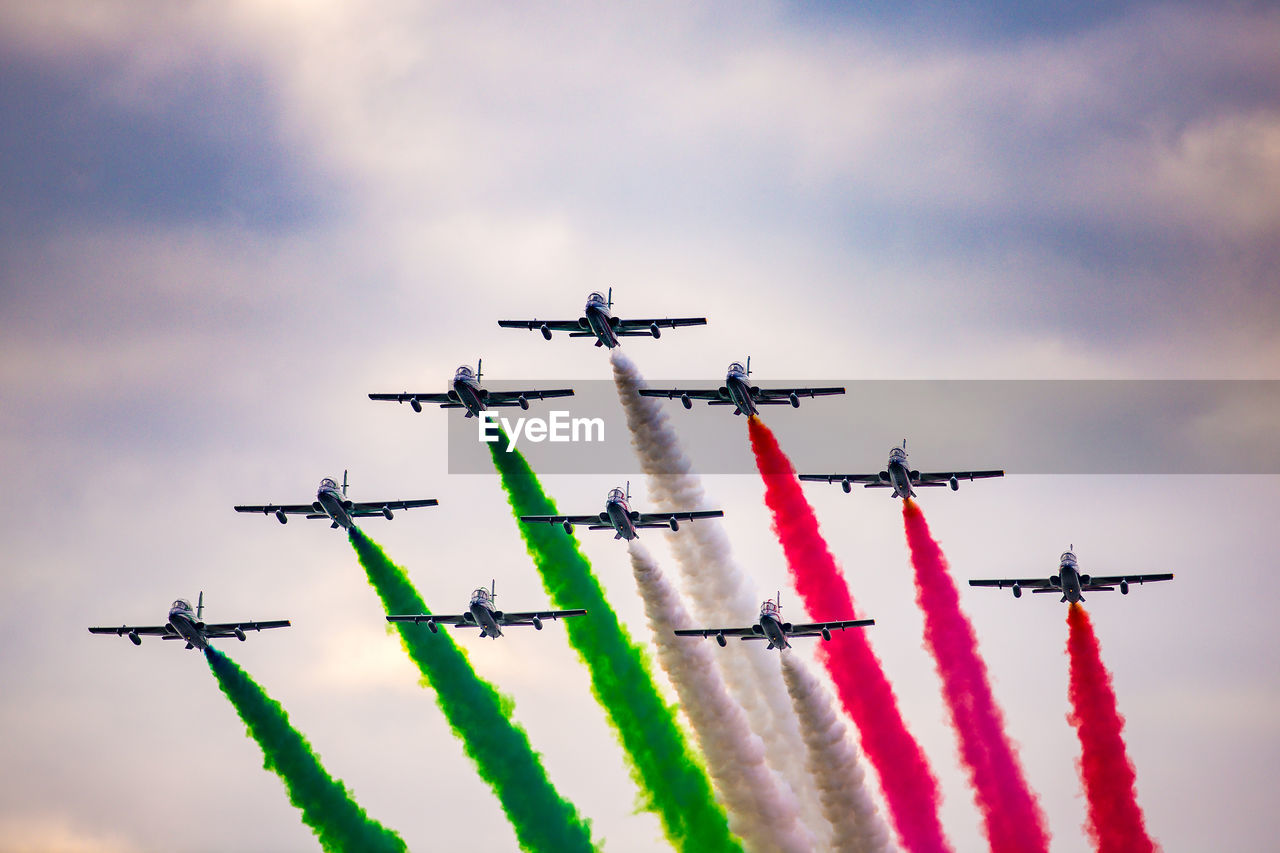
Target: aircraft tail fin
<point>479,369</point>
<point>610,298</point>
<point>200,607</point>
<point>748,365</point>
<point>344,482</point>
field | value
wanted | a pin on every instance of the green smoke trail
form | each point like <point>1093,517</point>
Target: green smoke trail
<point>325,803</point>
<point>480,716</point>
<point>672,779</point>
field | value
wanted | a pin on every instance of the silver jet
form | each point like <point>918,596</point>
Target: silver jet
<point>770,627</point>
<point>619,517</point>
<point>1070,582</point>
<point>899,476</point>
<point>333,504</point>
<point>466,392</point>
<point>189,625</point>
<point>597,321</point>
<point>482,613</point>
<point>737,391</point>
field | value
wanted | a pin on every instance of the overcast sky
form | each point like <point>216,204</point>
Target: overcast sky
<point>223,224</point>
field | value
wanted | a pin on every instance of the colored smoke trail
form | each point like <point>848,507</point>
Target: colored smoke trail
<point>761,811</point>
<point>672,780</point>
<point>479,716</point>
<point>326,805</point>
<point>1115,822</point>
<point>909,786</point>
<point>846,802</point>
<point>1011,814</point>
<point>720,591</point>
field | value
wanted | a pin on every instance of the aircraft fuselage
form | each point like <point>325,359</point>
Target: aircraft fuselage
<point>483,616</point>
<point>618,514</point>
<point>900,478</point>
<point>739,393</point>
<point>467,392</point>
<point>773,631</point>
<point>1069,578</point>
<point>600,323</point>
<point>334,504</point>
<point>190,630</point>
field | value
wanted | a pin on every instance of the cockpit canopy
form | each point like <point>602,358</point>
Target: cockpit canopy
<point>617,495</point>
<point>329,483</point>
<point>181,604</point>
<point>481,596</point>
<point>737,367</point>
<point>596,298</point>
<point>897,453</point>
<point>464,372</point>
<point>769,607</point>
<point>1068,559</point>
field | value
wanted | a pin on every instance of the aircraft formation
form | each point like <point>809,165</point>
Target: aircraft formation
<point>737,391</point>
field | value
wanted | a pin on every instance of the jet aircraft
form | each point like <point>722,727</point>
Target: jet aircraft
<point>770,627</point>
<point>466,392</point>
<point>598,322</point>
<point>483,614</point>
<point>184,624</point>
<point>619,517</point>
<point>1070,582</point>
<point>739,393</point>
<point>899,476</point>
<point>332,503</point>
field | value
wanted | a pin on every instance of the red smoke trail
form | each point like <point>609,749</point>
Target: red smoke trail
<point>1011,816</point>
<point>910,789</point>
<point>1115,821</point>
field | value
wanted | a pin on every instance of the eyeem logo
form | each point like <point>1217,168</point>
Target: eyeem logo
<point>558,428</point>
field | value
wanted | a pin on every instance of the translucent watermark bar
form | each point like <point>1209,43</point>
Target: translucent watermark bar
<point>1021,426</point>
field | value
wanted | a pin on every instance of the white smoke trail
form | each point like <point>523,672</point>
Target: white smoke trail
<point>834,761</point>
<point>761,811</point>
<point>721,591</point>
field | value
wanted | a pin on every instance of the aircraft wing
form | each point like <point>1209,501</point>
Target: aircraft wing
<point>929,478</point>
<point>674,393</point>
<point>1001,583</point>
<point>455,619</point>
<point>406,396</point>
<point>635,328</point>
<point>839,478</point>
<point>663,517</point>
<point>782,395</point>
<point>512,398</point>
<point>287,509</point>
<point>227,629</point>
<point>814,629</point>
<point>140,630</point>
<point>561,519</point>
<point>363,508</point>
<point>711,632</point>
<point>1111,580</point>
<point>553,325</point>
<point>527,617</point>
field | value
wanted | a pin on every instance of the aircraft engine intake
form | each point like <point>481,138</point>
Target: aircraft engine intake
<point>1085,580</point>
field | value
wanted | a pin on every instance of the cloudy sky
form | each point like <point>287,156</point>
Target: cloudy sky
<point>223,224</point>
